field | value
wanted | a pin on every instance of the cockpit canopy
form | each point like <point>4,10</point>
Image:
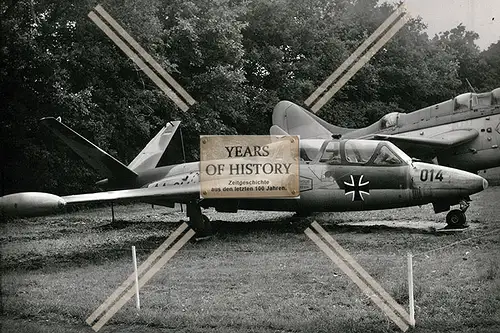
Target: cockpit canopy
<point>495,96</point>
<point>470,101</point>
<point>309,149</point>
<point>360,152</point>
<point>464,102</point>
<point>389,120</point>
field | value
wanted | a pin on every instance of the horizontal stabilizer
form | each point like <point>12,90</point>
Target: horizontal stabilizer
<point>102,162</point>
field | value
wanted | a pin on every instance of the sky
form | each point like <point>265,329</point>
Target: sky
<point>481,16</point>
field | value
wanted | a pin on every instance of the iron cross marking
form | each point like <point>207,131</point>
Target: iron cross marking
<point>357,188</point>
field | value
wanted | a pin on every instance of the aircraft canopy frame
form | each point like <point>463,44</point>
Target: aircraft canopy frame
<point>352,152</point>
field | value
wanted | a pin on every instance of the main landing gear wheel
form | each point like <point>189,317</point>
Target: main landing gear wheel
<point>455,219</point>
<point>301,220</point>
<point>207,224</point>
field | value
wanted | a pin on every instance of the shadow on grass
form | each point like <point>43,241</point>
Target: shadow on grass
<point>376,228</point>
<point>294,225</point>
<point>280,225</point>
<point>135,226</point>
<point>82,257</point>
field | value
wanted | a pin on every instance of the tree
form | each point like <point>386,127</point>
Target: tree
<point>60,64</point>
<point>490,60</point>
<point>460,43</point>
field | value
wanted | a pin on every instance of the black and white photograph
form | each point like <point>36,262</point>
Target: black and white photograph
<point>250,166</point>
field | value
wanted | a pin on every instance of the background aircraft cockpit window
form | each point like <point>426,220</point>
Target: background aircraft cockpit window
<point>495,96</point>
<point>465,102</point>
<point>386,157</point>
<point>359,151</point>
<point>309,149</point>
<point>331,155</point>
<point>389,120</point>
<point>473,102</point>
<point>484,99</point>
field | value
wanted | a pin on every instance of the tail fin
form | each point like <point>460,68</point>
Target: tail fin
<point>276,130</point>
<point>151,155</point>
<point>97,158</point>
<point>296,120</point>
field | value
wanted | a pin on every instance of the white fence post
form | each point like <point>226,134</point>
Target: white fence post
<point>410,290</point>
<point>134,259</point>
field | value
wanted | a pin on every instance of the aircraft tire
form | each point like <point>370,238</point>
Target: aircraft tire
<point>300,221</point>
<point>207,224</point>
<point>455,219</point>
<point>302,214</point>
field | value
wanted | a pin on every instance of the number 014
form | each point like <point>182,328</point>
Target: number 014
<point>424,175</point>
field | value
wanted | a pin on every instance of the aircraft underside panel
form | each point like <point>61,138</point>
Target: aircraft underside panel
<point>320,201</point>
<point>354,198</point>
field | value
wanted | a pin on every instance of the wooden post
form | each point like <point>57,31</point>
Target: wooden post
<point>112,213</point>
<point>137,301</point>
<point>410,290</point>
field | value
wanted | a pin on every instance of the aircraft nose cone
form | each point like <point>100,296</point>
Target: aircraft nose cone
<point>476,183</point>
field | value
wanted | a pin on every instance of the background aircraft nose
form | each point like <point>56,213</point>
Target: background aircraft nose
<point>485,184</point>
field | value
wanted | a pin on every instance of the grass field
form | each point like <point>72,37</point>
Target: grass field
<point>263,276</point>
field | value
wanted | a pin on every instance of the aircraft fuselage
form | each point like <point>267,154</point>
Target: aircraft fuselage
<point>431,122</point>
<point>346,186</point>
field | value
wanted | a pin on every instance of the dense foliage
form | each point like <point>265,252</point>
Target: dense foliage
<point>237,58</point>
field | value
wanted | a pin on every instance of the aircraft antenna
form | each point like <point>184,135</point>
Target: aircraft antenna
<point>470,86</point>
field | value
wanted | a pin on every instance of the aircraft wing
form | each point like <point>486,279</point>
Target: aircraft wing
<point>38,203</point>
<point>427,147</point>
<point>171,193</point>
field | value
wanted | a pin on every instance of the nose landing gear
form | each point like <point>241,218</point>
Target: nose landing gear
<point>456,219</point>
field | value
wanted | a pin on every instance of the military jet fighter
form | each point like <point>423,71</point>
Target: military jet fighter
<point>335,175</point>
<point>463,132</point>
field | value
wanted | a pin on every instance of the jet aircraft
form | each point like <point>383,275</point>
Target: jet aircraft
<point>335,175</point>
<point>463,132</point>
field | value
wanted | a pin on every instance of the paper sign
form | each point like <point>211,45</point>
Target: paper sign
<point>249,166</point>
